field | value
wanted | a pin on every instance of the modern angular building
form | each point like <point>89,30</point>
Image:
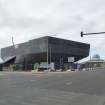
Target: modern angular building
<point>45,49</point>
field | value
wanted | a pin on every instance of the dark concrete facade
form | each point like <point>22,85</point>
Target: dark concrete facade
<point>46,48</point>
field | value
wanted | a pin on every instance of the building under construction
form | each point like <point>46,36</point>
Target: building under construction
<point>45,49</point>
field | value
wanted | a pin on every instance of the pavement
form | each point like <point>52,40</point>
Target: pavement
<point>68,88</point>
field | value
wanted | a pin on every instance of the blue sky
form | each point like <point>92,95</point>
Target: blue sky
<point>28,19</point>
<point>95,51</point>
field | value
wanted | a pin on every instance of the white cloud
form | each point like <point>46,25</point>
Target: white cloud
<point>26,19</point>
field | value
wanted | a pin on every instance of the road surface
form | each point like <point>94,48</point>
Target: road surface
<point>74,88</point>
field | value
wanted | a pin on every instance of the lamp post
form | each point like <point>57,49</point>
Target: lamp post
<point>50,55</point>
<point>49,48</point>
<point>13,41</point>
<point>47,55</point>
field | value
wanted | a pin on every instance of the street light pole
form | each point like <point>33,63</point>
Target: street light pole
<point>50,55</point>
<point>49,52</point>
<point>13,41</point>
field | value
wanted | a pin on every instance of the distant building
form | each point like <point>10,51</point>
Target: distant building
<point>93,62</point>
<point>58,52</point>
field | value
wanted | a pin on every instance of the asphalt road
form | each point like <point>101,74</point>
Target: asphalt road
<point>74,88</point>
